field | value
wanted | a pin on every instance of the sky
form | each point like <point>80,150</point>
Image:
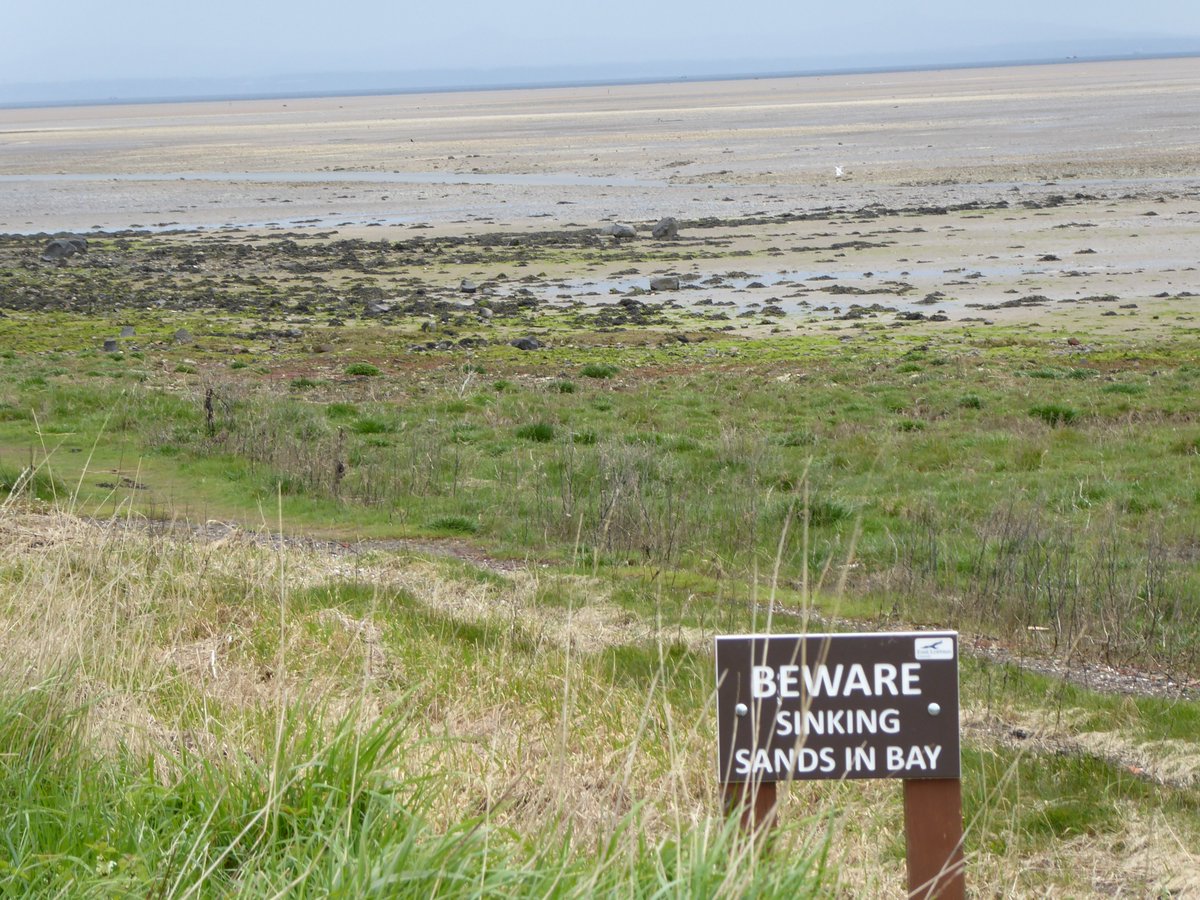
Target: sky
<point>84,41</point>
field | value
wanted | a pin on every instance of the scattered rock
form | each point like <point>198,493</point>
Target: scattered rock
<point>110,345</point>
<point>127,331</point>
<point>665,283</point>
<point>64,247</point>
<point>667,229</point>
<point>485,313</point>
<point>183,336</point>
<point>466,286</point>
<point>619,231</point>
<point>526,343</point>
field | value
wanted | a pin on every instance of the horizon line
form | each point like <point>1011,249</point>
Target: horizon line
<point>552,84</point>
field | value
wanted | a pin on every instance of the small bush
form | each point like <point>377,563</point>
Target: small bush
<point>502,385</point>
<point>1055,413</point>
<point>563,387</point>
<point>908,367</point>
<point>365,369</point>
<point>1044,373</point>
<point>454,525</point>
<point>910,425</point>
<point>822,511</point>
<point>539,432</point>
<point>303,384</point>
<point>970,401</point>
<point>185,369</point>
<point>239,364</point>
<point>1121,388</point>
<point>341,410</point>
<point>371,426</point>
<point>599,370</point>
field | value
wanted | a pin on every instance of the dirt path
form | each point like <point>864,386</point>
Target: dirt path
<point>1093,676</point>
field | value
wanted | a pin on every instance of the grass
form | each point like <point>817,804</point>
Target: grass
<point>190,718</point>
<point>183,717</point>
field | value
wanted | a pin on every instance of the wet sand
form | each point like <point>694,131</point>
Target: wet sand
<point>1078,184</point>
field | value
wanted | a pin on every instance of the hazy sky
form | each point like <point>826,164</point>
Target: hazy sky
<point>73,40</point>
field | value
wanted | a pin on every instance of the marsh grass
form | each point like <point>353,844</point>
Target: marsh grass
<point>690,472</point>
<point>191,719</point>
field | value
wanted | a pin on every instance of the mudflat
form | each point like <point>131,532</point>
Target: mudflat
<point>1062,191</point>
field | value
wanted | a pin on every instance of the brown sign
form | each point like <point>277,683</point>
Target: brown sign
<point>837,706</point>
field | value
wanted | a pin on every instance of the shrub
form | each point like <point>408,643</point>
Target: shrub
<point>1121,388</point>
<point>1055,413</point>
<point>540,432</point>
<point>599,370</point>
<point>970,401</point>
<point>371,426</point>
<point>454,525</point>
<point>303,384</point>
<point>185,369</point>
<point>341,410</point>
<point>564,387</point>
<point>360,368</point>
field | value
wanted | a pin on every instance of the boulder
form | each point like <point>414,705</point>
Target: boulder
<point>127,331</point>
<point>666,230</point>
<point>110,345</point>
<point>619,231</point>
<point>467,286</point>
<point>63,247</point>
<point>526,343</point>
<point>182,336</point>
<point>665,283</point>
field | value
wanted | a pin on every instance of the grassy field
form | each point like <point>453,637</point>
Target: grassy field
<point>507,687</point>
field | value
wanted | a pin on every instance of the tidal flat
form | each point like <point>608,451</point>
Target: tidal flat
<point>358,441</point>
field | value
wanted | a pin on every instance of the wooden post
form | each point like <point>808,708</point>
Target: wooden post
<point>933,835</point>
<point>755,800</point>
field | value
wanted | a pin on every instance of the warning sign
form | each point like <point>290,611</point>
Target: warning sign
<point>837,706</point>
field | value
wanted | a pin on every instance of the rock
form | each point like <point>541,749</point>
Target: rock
<point>665,283</point>
<point>619,231</point>
<point>323,348</point>
<point>1073,341</point>
<point>485,313</point>
<point>182,336</point>
<point>61,248</point>
<point>666,230</point>
<point>526,343</point>
<point>377,309</point>
<point>467,286</point>
<point>127,331</point>
<point>110,345</point>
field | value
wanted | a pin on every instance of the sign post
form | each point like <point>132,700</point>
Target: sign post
<point>843,706</point>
